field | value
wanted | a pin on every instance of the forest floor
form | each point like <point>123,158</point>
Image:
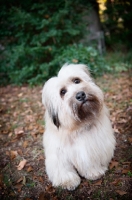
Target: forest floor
<point>22,172</point>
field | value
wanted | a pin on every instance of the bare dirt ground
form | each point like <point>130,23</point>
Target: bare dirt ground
<point>22,172</point>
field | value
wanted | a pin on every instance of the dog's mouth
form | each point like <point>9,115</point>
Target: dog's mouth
<point>83,103</point>
<point>88,108</point>
<point>90,99</point>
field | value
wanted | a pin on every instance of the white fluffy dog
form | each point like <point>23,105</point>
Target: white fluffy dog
<point>78,138</point>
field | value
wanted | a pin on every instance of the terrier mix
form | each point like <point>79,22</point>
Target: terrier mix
<point>78,138</point>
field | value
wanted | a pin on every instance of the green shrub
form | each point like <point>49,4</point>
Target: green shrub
<point>33,37</point>
<point>86,55</point>
<point>39,38</point>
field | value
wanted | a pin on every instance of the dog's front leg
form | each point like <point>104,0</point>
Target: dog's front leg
<point>61,172</point>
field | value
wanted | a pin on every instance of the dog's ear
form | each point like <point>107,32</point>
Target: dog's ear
<point>56,120</point>
<point>85,69</point>
<point>54,117</point>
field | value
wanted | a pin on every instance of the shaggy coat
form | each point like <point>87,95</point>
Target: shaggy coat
<point>78,139</point>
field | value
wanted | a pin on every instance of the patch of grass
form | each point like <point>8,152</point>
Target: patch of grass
<point>24,100</point>
<point>7,181</point>
<point>41,122</point>
<point>70,197</point>
<point>129,174</point>
<point>59,191</point>
<point>119,61</point>
<point>14,126</point>
<point>97,194</point>
<point>30,184</point>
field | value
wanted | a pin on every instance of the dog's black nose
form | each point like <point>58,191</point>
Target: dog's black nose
<point>80,96</point>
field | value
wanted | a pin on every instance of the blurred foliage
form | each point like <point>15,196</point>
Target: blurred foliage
<point>119,61</point>
<point>31,36</point>
<point>86,55</point>
<point>37,38</point>
<point>118,23</point>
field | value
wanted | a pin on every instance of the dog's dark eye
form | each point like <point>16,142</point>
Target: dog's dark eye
<point>62,92</point>
<point>76,80</point>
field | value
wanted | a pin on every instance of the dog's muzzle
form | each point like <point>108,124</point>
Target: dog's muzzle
<point>81,96</point>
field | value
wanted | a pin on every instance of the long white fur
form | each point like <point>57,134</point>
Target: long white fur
<point>72,150</point>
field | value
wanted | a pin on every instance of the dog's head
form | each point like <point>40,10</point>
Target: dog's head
<point>72,97</point>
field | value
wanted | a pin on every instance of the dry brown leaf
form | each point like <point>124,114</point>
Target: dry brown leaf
<point>41,131</point>
<point>19,130</point>
<point>30,118</point>
<point>75,61</point>
<point>20,180</point>
<point>126,163</point>
<point>25,144</point>
<point>125,171</point>
<point>41,179</point>
<point>113,164</point>
<point>35,177</point>
<point>20,94</point>
<point>29,169</point>
<point>116,182</point>
<point>24,180</point>
<point>42,196</point>
<point>10,134</point>
<point>20,152</point>
<point>7,153</point>
<point>121,192</point>
<point>130,139</point>
<point>41,157</point>
<point>99,182</point>
<point>21,164</point>
<point>34,135</point>
<point>18,187</point>
<point>13,154</point>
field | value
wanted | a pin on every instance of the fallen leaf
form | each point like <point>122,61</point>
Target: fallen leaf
<point>7,153</point>
<point>21,164</point>
<point>116,182</point>
<point>18,187</point>
<point>40,179</point>
<point>75,60</point>
<point>24,180</point>
<point>125,171</point>
<point>25,144</point>
<point>10,134</point>
<point>34,135</point>
<point>30,118</point>
<point>121,192</point>
<point>29,169</point>
<point>41,157</point>
<point>13,154</point>
<point>47,16</point>
<point>20,95</point>
<point>130,139</point>
<point>113,164</point>
<point>44,196</point>
<point>99,182</point>
<point>126,163</point>
<point>20,152</point>
<point>20,180</point>
<point>19,131</point>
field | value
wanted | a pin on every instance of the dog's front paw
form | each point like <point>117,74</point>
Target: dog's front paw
<point>95,174</point>
<point>68,181</point>
<point>94,177</point>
